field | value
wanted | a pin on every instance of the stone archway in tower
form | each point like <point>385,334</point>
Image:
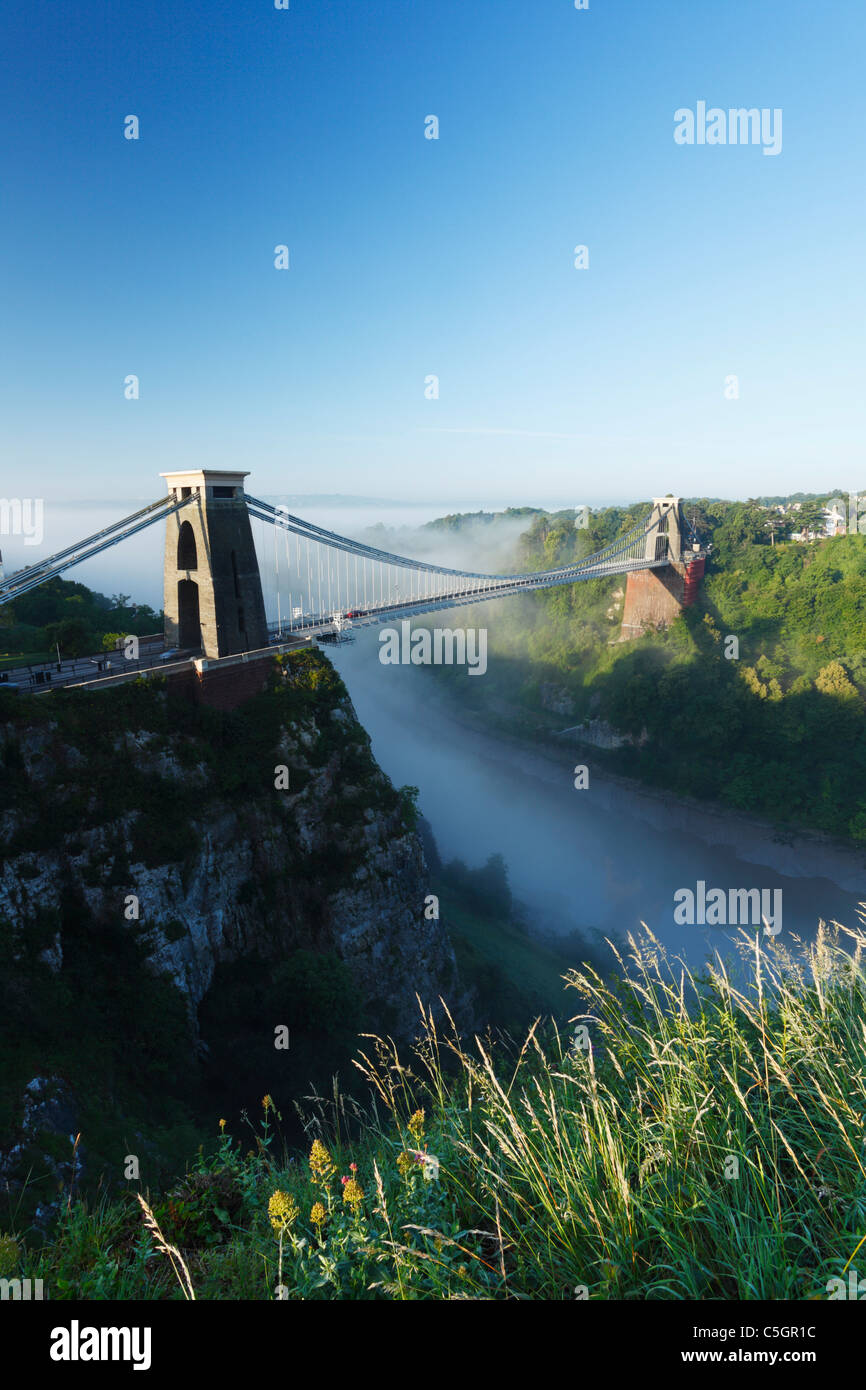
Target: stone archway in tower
<point>187,553</point>
<point>189,619</point>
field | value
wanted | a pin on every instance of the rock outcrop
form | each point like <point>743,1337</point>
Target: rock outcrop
<point>331,862</point>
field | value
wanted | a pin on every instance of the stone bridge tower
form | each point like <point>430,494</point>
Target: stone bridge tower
<point>665,537</point>
<point>654,597</point>
<point>213,590</point>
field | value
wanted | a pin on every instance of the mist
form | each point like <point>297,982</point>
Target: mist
<point>598,861</point>
<point>486,546</point>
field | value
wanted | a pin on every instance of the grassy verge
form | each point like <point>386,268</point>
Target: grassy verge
<point>693,1139</point>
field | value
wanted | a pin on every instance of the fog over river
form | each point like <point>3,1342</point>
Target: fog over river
<point>600,859</point>
<point>597,860</point>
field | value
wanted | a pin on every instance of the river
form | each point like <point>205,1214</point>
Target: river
<point>598,860</point>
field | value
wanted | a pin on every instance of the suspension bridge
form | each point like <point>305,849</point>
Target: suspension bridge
<point>325,582</point>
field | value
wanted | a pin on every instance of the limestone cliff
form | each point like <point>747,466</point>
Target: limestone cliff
<point>220,862</point>
<point>151,850</point>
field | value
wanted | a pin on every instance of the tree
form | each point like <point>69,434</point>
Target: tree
<point>776,524</point>
<point>833,680</point>
<point>810,517</point>
<point>73,636</point>
<point>743,525</point>
<point>491,887</point>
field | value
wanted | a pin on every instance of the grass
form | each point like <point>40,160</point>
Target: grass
<point>26,659</point>
<point>694,1138</point>
<point>514,973</point>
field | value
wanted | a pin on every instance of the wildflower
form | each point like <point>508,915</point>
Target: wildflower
<point>416,1126</point>
<point>405,1164</point>
<point>267,1104</point>
<point>283,1211</point>
<point>353,1194</point>
<point>318,1215</point>
<point>222,1125</point>
<point>344,1180</point>
<point>353,1167</point>
<point>321,1165</point>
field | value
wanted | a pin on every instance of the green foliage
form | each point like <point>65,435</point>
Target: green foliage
<point>485,890</point>
<point>409,807</point>
<point>752,732</point>
<point>488,1171</point>
<point>64,611</point>
<point>468,521</point>
<point>137,763</point>
<point>310,992</point>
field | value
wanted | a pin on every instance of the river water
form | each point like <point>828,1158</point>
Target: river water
<point>598,860</point>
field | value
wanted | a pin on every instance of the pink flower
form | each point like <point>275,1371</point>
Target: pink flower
<point>344,1180</point>
<point>354,1167</point>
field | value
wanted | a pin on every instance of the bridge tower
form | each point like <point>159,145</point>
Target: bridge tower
<point>654,597</point>
<point>213,590</point>
<point>665,537</point>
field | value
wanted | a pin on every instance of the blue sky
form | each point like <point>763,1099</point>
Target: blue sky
<point>412,257</point>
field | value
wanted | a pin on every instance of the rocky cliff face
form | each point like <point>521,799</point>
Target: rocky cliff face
<point>216,860</point>
<point>152,850</point>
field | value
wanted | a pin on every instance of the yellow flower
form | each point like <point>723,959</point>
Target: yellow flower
<point>222,1124</point>
<point>353,1194</point>
<point>416,1126</point>
<point>318,1215</point>
<point>405,1164</point>
<point>267,1104</point>
<point>321,1165</point>
<point>283,1211</point>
